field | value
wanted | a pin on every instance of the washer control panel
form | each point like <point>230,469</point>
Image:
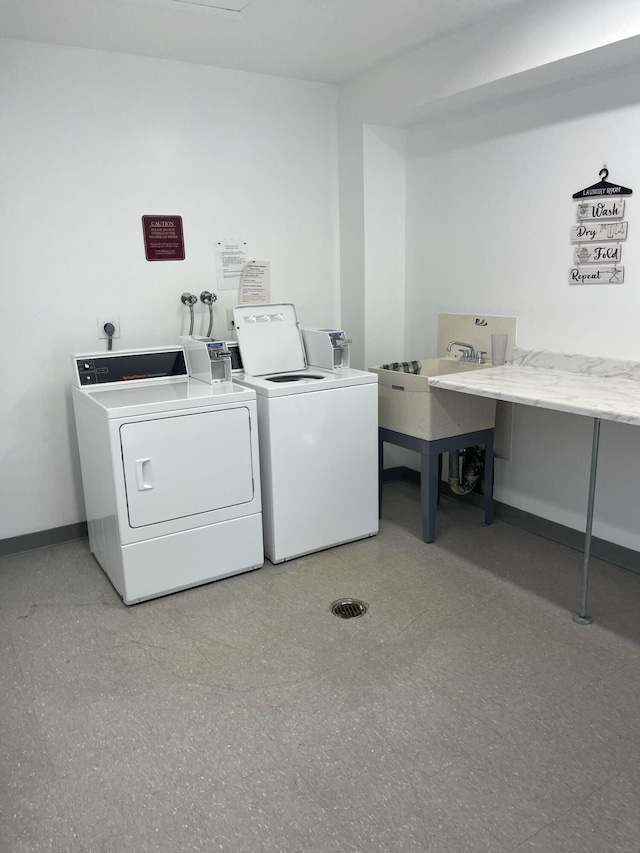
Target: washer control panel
<point>127,366</point>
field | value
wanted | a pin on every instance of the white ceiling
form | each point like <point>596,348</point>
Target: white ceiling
<point>324,40</point>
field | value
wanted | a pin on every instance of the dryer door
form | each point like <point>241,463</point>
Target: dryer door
<point>184,465</point>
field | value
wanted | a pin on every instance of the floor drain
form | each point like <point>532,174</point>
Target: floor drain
<point>349,608</point>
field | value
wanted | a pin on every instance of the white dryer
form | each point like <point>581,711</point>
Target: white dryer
<point>318,432</point>
<point>170,471</point>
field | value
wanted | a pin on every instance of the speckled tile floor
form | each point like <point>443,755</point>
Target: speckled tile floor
<point>464,712</point>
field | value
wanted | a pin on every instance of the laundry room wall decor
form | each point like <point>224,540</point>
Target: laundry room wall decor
<point>599,233</point>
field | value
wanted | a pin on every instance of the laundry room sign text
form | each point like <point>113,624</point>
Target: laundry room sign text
<point>163,238</point>
<point>596,275</point>
<point>591,231</point>
<point>597,253</point>
<point>612,208</point>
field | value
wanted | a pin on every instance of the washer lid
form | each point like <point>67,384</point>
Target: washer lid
<point>269,338</point>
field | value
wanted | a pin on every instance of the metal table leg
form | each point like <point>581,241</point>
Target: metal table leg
<point>582,618</point>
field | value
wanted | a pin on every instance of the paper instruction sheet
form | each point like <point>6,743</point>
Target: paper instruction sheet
<point>255,285</point>
<point>231,258</point>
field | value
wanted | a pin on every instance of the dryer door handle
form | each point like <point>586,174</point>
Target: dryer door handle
<point>143,474</point>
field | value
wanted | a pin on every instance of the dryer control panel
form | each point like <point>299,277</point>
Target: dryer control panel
<point>129,365</point>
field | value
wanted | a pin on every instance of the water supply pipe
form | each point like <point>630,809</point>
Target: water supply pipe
<point>465,467</point>
<point>209,298</point>
<point>189,299</point>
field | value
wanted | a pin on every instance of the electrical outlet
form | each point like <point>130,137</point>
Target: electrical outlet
<point>230,323</point>
<point>102,321</point>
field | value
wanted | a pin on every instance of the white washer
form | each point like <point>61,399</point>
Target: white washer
<point>170,470</point>
<point>318,432</point>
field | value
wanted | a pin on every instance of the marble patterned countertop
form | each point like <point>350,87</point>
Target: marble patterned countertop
<point>584,385</point>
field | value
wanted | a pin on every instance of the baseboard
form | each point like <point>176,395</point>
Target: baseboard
<point>43,538</point>
<point>602,549</point>
<point>391,475</point>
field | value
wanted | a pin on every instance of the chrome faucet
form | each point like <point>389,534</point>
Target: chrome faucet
<point>468,352</point>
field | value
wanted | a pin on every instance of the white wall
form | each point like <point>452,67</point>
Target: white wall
<point>91,142</point>
<point>530,51</point>
<point>523,110</point>
<point>488,219</point>
<point>384,168</point>
<point>556,39</point>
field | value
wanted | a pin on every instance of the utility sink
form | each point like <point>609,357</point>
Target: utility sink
<point>407,404</point>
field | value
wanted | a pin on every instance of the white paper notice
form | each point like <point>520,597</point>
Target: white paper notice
<point>231,258</point>
<point>256,282</point>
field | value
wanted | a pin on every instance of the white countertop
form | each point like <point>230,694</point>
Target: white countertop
<point>584,385</point>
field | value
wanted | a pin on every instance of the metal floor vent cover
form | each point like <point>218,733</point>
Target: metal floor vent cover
<point>349,608</point>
